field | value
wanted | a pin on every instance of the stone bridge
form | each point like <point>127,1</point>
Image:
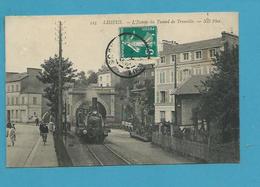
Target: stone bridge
<point>82,97</point>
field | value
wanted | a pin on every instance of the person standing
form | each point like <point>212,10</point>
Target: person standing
<point>12,135</point>
<point>36,121</point>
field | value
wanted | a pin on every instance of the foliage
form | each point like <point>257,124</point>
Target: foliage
<point>83,80</point>
<point>148,96</point>
<point>220,99</point>
<point>50,77</point>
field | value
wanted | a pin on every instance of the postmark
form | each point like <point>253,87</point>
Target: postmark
<point>127,53</point>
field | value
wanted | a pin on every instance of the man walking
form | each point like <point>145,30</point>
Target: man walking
<point>12,135</point>
<point>44,130</point>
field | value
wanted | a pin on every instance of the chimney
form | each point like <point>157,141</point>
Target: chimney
<point>167,45</point>
<point>33,71</point>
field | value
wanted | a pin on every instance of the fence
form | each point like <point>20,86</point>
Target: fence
<point>228,152</point>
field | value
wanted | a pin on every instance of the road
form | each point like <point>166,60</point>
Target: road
<point>29,150</point>
<point>139,152</point>
<point>134,151</point>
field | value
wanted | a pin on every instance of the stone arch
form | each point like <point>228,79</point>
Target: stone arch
<point>80,102</point>
<point>107,108</point>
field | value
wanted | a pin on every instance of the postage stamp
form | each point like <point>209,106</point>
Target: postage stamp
<point>133,44</point>
<point>135,51</point>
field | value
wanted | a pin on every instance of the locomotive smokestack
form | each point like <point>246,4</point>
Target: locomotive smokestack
<point>94,103</point>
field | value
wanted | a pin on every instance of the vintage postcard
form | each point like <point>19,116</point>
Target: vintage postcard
<point>122,89</point>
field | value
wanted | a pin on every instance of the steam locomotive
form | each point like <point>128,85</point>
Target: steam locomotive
<point>90,124</point>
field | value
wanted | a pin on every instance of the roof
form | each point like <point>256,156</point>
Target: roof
<point>192,46</point>
<point>192,85</point>
<point>30,82</point>
<point>13,77</point>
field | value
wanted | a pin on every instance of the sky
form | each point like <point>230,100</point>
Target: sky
<point>29,40</point>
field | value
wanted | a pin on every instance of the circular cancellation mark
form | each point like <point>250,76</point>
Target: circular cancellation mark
<point>126,55</point>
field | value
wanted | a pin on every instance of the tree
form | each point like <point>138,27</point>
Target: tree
<point>50,77</point>
<point>92,77</point>
<point>81,79</point>
<point>219,103</point>
<point>84,81</point>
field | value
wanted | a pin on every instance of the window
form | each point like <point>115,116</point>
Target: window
<point>12,113</point>
<point>162,77</point>
<point>144,73</point>
<point>173,116</point>
<point>152,73</point>
<point>198,55</point>
<point>12,88</point>
<point>198,71</point>
<point>186,56</point>
<point>16,114</point>
<point>8,100</point>
<point>34,100</point>
<point>173,58</point>
<point>23,100</point>
<point>212,53</point>
<point>12,101</point>
<point>180,76</point>
<point>157,97</point>
<point>171,98</point>
<point>162,116</point>
<point>186,73</point>
<point>172,76</point>
<point>17,87</point>
<point>163,59</point>
<point>8,88</point>
<point>162,96</point>
<point>17,100</point>
<point>100,78</point>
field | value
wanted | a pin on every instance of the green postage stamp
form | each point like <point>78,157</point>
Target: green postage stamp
<point>136,41</point>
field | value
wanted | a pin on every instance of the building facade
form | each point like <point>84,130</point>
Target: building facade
<point>195,58</point>
<point>106,78</point>
<point>24,101</point>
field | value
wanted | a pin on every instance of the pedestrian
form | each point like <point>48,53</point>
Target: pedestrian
<point>36,121</point>
<point>12,135</point>
<point>44,130</point>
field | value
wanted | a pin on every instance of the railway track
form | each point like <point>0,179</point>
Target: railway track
<point>105,156</point>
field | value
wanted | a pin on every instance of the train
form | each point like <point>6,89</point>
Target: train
<point>90,124</point>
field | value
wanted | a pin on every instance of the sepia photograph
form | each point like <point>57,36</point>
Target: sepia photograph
<point>122,89</point>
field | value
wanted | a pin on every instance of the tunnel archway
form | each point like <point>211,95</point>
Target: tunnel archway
<point>102,110</point>
<point>85,107</point>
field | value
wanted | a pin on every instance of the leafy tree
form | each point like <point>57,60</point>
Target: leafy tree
<point>81,79</point>
<point>50,77</point>
<point>92,77</point>
<point>220,99</point>
<point>84,81</point>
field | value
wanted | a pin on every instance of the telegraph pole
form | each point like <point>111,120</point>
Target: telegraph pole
<point>60,103</point>
<point>175,87</point>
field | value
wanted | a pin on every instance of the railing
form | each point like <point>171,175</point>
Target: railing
<point>225,152</point>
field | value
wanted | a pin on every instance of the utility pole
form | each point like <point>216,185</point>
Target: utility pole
<point>175,88</point>
<point>175,100</point>
<point>60,103</point>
